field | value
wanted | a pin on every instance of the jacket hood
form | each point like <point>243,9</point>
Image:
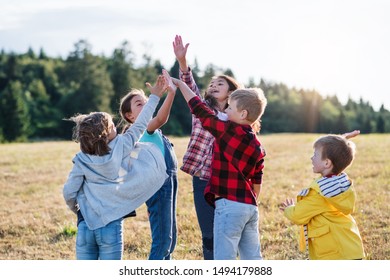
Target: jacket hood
<point>107,166</point>
<point>338,191</point>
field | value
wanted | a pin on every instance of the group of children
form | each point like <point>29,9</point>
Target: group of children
<point>114,174</point>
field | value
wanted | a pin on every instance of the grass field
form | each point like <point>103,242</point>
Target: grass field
<point>35,223</point>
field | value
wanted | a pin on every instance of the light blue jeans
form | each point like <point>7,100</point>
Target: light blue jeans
<point>236,231</point>
<point>105,243</point>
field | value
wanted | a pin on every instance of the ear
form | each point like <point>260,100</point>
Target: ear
<point>328,163</point>
<point>243,114</point>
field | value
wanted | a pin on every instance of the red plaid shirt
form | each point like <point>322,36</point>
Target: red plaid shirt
<point>238,158</point>
<point>198,156</point>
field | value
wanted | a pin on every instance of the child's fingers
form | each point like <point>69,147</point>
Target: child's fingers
<point>351,134</point>
<point>148,85</point>
<point>168,78</point>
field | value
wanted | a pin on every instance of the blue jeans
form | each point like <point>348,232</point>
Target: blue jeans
<point>205,214</point>
<point>105,243</point>
<point>237,227</point>
<point>162,210</point>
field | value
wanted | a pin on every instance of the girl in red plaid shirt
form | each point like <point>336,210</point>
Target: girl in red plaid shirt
<point>197,159</point>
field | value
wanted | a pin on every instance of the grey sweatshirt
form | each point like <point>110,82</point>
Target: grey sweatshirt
<point>106,188</point>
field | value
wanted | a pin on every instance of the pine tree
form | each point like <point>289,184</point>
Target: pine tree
<point>15,120</point>
<point>88,82</point>
<point>120,65</point>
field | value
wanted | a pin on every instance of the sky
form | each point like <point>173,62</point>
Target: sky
<point>336,47</point>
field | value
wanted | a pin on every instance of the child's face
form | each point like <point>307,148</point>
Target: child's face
<point>137,103</point>
<point>219,89</point>
<point>319,164</point>
<point>233,113</point>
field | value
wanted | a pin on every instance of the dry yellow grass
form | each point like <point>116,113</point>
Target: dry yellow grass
<point>36,224</point>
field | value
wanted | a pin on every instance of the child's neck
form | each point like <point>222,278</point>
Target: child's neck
<point>221,105</point>
<point>328,174</point>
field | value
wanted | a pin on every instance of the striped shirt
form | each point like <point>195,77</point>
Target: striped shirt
<point>335,185</point>
<point>238,158</point>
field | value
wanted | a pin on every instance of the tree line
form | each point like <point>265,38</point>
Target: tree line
<point>38,93</point>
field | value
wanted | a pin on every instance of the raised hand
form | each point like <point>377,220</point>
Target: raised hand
<point>351,134</point>
<point>180,51</point>
<point>169,80</point>
<point>160,86</point>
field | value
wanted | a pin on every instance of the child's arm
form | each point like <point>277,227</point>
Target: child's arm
<point>72,186</point>
<point>163,113</point>
<point>257,189</point>
<point>258,177</point>
<point>134,133</point>
<point>188,94</point>
<point>180,52</point>
<point>185,72</point>
<point>351,134</point>
<point>303,211</point>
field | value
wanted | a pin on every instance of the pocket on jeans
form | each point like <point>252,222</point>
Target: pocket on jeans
<point>112,233</point>
<point>81,238</point>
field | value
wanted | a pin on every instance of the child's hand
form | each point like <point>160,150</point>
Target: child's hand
<point>287,203</point>
<point>160,87</point>
<point>351,134</point>
<point>168,79</point>
<point>180,50</point>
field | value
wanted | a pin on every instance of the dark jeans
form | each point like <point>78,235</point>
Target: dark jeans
<point>205,214</point>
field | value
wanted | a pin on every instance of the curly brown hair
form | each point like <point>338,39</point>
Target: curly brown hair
<point>92,131</point>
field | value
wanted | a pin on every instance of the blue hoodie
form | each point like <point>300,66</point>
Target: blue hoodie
<point>106,188</point>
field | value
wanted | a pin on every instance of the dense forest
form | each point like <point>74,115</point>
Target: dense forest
<point>38,93</point>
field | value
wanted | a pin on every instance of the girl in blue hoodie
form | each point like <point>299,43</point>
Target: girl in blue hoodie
<point>107,179</point>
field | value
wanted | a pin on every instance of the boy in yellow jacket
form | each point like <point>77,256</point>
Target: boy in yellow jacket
<point>324,209</point>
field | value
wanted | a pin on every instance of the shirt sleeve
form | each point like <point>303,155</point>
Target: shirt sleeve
<point>207,117</point>
<point>258,177</point>
<point>304,210</point>
<point>72,186</point>
<point>188,78</point>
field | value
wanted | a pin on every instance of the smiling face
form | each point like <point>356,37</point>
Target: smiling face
<point>219,89</point>
<point>136,105</point>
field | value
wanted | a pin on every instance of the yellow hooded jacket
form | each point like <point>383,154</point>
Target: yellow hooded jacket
<point>327,226</point>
